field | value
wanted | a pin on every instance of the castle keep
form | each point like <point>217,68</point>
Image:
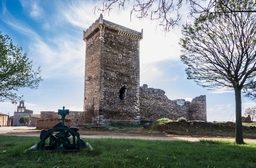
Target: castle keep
<point>111,73</point>
<point>112,91</point>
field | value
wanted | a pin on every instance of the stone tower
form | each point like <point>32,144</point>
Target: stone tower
<point>111,92</point>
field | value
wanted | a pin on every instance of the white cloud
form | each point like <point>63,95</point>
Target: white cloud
<point>155,46</point>
<point>46,26</point>
<point>18,25</point>
<point>149,72</point>
<point>173,79</point>
<point>248,104</point>
<point>53,55</point>
<point>222,90</point>
<point>64,57</point>
<point>76,13</point>
<point>7,108</point>
<point>220,112</point>
<point>33,8</point>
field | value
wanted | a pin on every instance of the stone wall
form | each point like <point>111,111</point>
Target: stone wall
<point>197,109</point>
<point>154,104</point>
<point>50,123</point>
<point>50,118</point>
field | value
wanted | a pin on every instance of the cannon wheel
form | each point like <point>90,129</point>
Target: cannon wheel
<point>58,138</point>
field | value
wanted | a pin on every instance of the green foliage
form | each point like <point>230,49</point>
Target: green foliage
<point>21,120</point>
<point>162,121</point>
<point>15,70</point>
<point>182,119</point>
<point>130,153</point>
<point>26,119</point>
<point>249,125</point>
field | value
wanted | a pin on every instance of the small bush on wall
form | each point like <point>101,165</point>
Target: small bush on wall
<point>162,121</point>
<point>182,119</point>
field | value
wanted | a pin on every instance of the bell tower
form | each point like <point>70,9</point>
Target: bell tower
<point>21,107</point>
<point>111,89</point>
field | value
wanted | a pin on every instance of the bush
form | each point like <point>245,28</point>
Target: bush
<point>182,119</point>
<point>162,121</point>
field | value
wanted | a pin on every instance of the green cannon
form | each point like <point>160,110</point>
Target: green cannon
<point>61,137</point>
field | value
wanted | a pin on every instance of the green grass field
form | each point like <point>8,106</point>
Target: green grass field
<point>118,153</point>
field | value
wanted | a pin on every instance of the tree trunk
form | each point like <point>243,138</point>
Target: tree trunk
<point>239,127</point>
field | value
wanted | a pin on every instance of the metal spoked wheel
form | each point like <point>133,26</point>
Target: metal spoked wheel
<point>60,138</point>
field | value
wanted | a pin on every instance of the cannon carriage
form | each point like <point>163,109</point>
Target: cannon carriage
<point>61,137</point>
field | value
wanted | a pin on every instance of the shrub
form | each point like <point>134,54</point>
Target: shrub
<point>182,119</point>
<point>162,121</point>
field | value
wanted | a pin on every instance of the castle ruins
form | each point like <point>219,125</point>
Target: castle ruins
<point>112,88</point>
<point>112,91</point>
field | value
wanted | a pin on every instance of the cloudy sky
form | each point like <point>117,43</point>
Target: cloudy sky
<point>51,33</point>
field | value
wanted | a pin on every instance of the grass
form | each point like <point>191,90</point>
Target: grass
<point>125,127</point>
<point>129,153</point>
<point>251,124</point>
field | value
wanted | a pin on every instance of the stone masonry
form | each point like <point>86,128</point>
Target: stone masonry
<point>112,91</point>
<point>77,117</point>
<point>111,73</point>
<point>48,119</point>
<point>154,104</point>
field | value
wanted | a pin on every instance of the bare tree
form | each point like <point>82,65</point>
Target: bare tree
<point>251,111</point>
<point>220,52</point>
<point>169,12</point>
<point>250,89</point>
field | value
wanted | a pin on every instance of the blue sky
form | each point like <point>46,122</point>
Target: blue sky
<point>51,33</point>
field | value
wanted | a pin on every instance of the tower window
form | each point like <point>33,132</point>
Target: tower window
<point>122,92</point>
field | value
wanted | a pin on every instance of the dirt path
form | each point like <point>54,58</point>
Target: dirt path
<point>31,131</point>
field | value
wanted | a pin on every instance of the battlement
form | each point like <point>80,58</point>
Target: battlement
<point>101,23</point>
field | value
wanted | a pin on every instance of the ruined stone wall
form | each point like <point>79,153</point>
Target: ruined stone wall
<point>44,115</point>
<point>50,123</point>
<point>50,118</point>
<point>154,104</point>
<point>198,108</point>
